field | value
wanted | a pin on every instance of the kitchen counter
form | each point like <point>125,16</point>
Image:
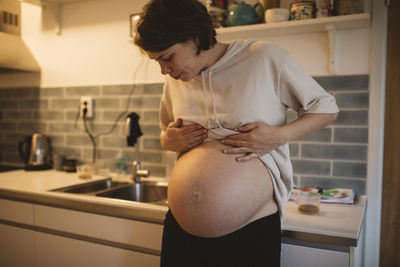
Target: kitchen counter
<point>335,224</point>
<point>36,186</point>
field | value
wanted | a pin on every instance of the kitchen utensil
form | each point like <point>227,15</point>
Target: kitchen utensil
<point>35,152</point>
<point>244,14</point>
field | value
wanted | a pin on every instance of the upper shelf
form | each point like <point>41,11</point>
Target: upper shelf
<point>41,2</point>
<point>297,27</point>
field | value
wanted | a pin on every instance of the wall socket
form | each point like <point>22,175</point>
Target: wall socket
<point>87,102</point>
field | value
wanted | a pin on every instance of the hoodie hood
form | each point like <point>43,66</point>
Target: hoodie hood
<point>234,49</point>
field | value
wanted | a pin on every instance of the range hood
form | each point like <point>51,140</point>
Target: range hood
<point>14,54</point>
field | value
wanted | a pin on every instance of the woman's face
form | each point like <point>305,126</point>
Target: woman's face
<point>179,61</point>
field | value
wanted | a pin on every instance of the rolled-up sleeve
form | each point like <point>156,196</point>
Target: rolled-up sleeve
<point>299,91</point>
<point>165,113</point>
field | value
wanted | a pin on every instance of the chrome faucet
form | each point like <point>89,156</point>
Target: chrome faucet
<point>133,132</point>
<point>137,173</point>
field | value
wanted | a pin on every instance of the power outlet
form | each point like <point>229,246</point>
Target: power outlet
<point>87,102</point>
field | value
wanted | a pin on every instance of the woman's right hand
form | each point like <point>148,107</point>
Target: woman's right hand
<point>182,138</point>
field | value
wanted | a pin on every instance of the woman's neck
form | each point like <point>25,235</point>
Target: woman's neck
<point>213,54</point>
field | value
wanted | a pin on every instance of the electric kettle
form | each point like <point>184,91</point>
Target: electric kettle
<point>35,152</point>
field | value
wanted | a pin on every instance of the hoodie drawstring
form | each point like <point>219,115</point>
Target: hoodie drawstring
<point>205,101</point>
<point>212,98</point>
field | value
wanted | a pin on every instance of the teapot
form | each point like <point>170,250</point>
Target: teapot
<point>243,14</point>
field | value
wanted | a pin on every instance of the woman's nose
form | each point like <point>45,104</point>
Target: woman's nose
<point>165,69</point>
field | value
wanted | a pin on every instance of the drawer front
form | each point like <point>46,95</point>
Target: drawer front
<point>125,231</point>
<point>52,250</point>
<point>16,211</point>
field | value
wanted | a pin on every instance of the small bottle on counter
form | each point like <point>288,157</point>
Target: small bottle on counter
<point>121,165</point>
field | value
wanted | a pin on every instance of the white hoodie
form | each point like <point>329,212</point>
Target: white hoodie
<point>252,82</point>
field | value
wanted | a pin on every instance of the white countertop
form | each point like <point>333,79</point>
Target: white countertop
<point>334,220</point>
<point>340,222</point>
<point>35,186</point>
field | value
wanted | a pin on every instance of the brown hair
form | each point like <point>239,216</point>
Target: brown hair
<point>164,23</point>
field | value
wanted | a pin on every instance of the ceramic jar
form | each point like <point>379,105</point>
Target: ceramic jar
<point>302,10</point>
<point>244,14</point>
<point>276,15</point>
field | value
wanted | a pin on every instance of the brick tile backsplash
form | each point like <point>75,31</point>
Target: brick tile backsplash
<point>336,156</point>
<point>352,117</point>
<point>350,135</point>
<point>334,151</point>
<point>122,90</point>
<point>344,83</point>
<point>352,100</point>
<point>311,167</point>
<point>83,91</point>
<point>350,169</point>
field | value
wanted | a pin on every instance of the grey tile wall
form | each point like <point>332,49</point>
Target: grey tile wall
<point>335,156</point>
<point>54,112</point>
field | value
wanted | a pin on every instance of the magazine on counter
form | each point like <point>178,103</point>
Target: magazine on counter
<point>335,195</point>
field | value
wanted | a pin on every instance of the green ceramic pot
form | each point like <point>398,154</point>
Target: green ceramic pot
<point>244,14</point>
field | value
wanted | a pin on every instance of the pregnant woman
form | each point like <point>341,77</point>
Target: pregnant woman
<point>223,110</point>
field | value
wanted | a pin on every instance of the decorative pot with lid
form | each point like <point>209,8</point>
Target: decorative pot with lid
<point>244,14</point>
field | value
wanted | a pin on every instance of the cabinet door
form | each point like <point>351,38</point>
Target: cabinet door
<point>52,250</point>
<point>135,233</point>
<point>16,246</point>
<point>16,211</point>
<point>299,256</point>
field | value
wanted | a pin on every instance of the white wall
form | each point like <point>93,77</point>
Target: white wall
<point>94,47</point>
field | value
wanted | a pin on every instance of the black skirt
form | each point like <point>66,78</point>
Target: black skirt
<point>256,244</point>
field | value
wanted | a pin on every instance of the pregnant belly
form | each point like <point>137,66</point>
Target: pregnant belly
<point>211,194</point>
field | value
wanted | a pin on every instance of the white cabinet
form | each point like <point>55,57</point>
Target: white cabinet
<point>52,250</point>
<point>16,246</point>
<point>76,238</point>
<point>101,227</point>
<point>16,211</point>
<point>38,235</point>
<point>16,243</point>
<point>301,256</point>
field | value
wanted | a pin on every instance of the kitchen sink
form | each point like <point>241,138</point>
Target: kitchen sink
<point>141,192</point>
<point>92,187</point>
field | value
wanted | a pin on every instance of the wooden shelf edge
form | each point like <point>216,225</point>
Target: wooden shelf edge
<point>353,21</point>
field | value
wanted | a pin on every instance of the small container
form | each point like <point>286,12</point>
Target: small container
<point>58,162</point>
<point>69,165</point>
<point>302,10</point>
<point>325,8</point>
<point>308,202</point>
<point>347,7</point>
<point>85,170</point>
<point>276,15</point>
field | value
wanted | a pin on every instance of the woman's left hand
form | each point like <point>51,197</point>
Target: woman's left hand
<point>255,140</point>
